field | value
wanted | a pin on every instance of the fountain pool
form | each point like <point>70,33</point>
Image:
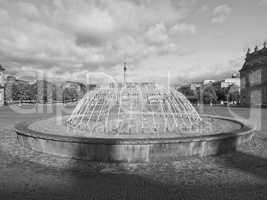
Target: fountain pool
<point>134,123</point>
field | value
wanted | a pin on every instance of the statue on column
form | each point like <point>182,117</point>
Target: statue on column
<point>124,72</point>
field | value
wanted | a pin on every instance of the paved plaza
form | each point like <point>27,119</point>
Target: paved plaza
<point>30,175</point>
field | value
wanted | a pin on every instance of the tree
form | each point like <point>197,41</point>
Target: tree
<point>186,90</point>
<point>70,94</point>
<point>221,94</point>
<point>208,95</point>
<point>233,94</point>
<point>24,91</point>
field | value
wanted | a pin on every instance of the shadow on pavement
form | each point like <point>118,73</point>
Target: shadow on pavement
<point>248,163</point>
<point>22,179</point>
<point>34,181</point>
<point>121,186</point>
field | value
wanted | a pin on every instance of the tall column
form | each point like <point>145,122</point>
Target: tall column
<point>124,73</point>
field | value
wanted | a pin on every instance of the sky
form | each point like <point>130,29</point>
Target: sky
<point>185,40</point>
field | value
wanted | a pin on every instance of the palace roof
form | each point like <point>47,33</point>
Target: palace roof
<point>255,60</point>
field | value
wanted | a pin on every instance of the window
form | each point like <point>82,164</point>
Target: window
<point>255,77</point>
<point>243,82</point>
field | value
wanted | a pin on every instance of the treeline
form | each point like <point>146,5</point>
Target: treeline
<point>210,94</point>
<point>44,91</point>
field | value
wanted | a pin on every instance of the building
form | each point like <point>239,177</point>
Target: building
<point>2,86</point>
<point>10,81</point>
<point>253,77</point>
<point>207,82</point>
<point>2,77</point>
<point>228,82</point>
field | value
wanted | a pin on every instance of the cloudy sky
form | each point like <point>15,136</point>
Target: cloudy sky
<point>187,39</point>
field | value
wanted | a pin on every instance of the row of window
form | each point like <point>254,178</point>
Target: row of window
<point>255,77</point>
<point>264,74</point>
<point>255,97</point>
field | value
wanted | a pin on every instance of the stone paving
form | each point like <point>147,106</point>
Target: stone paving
<point>25,174</point>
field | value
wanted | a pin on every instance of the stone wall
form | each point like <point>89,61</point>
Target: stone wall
<point>256,97</point>
<point>253,77</point>
<point>252,94</point>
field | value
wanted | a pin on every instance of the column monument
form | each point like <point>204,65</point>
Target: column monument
<point>124,73</point>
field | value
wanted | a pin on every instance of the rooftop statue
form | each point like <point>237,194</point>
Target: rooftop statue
<point>248,51</point>
<point>256,49</point>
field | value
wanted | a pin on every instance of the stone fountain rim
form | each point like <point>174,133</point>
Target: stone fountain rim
<point>22,129</point>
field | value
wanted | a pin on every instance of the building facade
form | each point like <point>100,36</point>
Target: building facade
<point>228,82</point>
<point>253,78</point>
<point>10,81</point>
<point>207,82</point>
<point>2,86</point>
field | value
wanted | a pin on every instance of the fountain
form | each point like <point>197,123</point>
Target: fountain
<point>134,110</point>
<point>134,123</point>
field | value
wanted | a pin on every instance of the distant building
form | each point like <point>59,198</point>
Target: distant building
<point>206,82</point>
<point>10,81</point>
<point>2,77</point>
<point>253,76</point>
<point>131,84</point>
<point>2,86</point>
<point>228,82</point>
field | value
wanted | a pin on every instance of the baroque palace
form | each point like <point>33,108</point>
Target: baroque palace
<point>253,77</point>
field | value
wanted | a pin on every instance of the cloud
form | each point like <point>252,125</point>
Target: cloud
<point>262,3</point>
<point>217,71</point>
<point>204,8</point>
<point>157,34</point>
<point>218,19</point>
<point>220,14</point>
<point>28,10</point>
<point>183,28</point>
<point>91,26</point>
<point>222,9</point>
<point>88,35</point>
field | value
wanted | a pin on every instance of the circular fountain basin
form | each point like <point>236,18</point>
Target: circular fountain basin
<point>49,136</point>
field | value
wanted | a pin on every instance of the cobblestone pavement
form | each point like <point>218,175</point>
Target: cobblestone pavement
<point>25,174</point>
